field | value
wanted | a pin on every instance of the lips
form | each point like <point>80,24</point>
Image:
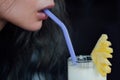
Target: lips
<point>41,15</point>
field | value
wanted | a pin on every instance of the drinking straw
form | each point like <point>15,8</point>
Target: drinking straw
<point>65,32</point>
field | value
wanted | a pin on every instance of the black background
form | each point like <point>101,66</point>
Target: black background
<point>90,19</point>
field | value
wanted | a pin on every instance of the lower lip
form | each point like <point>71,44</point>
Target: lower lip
<point>42,16</point>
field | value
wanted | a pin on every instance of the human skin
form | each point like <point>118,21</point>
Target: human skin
<point>27,14</point>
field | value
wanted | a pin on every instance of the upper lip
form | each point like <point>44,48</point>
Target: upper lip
<point>47,7</point>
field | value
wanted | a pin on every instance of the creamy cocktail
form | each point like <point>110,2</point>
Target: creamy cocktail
<point>83,70</point>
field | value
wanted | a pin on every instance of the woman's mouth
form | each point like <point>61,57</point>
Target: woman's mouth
<point>41,15</point>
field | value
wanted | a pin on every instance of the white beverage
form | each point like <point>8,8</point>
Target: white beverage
<point>83,70</point>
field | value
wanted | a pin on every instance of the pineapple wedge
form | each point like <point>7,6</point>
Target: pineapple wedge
<point>100,54</point>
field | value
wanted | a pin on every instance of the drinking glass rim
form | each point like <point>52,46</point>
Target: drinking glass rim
<point>82,59</point>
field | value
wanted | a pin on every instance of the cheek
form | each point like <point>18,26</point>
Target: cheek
<point>26,22</point>
<point>24,16</point>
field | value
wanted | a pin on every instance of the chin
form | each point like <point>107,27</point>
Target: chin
<point>33,27</point>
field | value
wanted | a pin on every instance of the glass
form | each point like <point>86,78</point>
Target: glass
<point>83,70</point>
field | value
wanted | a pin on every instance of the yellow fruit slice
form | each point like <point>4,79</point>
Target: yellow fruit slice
<point>100,54</point>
